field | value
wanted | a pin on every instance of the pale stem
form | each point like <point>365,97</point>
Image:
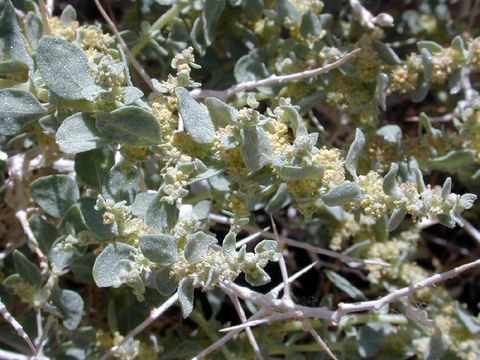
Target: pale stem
<point>318,339</point>
<point>250,238</point>
<point>16,326</point>
<point>154,314</point>
<point>21,215</point>
<point>136,65</point>
<point>275,291</point>
<point>223,340</point>
<point>45,331</point>
<point>4,354</point>
<point>395,295</point>
<point>272,80</point>
<point>471,230</point>
<point>283,267</point>
<point>243,318</point>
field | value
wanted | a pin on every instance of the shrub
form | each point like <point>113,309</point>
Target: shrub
<point>181,164</point>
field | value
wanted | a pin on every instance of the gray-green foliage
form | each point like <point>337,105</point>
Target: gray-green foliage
<point>121,192</point>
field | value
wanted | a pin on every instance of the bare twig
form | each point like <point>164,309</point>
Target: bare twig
<point>271,80</point>
<point>283,267</point>
<point>16,326</point>
<point>4,354</point>
<point>471,230</point>
<point>154,314</point>
<point>397,294</point>
<point>243,318</point>
<point>318,339</point>
<point>136,65</point>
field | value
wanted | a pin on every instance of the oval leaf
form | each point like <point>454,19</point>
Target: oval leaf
<point>55,193</point>
<point>195,118</point>
<point>342,194</point>
<point>111,262</point>
<point>78,134</point>
<point>18,108</point>
<point>161,249</point>
<point>130,125</point>
<point>65,78</point>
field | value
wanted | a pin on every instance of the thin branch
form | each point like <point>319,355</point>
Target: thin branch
<point>223,340</point>
<point>272,80</point>
<point>243,318</point>
<point>16,326</point>
<point>471,230</point>
<point>276,290</point>
<point>154,314</point>
<point>4,354</point>
<point>43,338</point>
<point>283,266</point>
<point>397,294</point>
<point>136,65</point>
<point>318,339</point>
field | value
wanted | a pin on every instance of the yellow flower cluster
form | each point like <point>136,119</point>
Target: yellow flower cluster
<point>333,163</point>
<point>374,200</point>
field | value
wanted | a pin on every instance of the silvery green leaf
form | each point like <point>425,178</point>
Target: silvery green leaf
<point>197,246</point>
<point>344,285</point>
<point>468,320</point>
<point>141,203</point>
<point>256,148</point>
<point>12,44</point>
<point>130,125</point>
<point>70,305</point>
<point>161,249</point>
<point>68,15</point>
<point>18,108</point>
<point>453,160</point>
<point>391,134</point>
<point>421,90</point>
<point>132,94</point>
<point>354,152</point>
<point>419,180</point>
<point>29,272</point>
<point>447,220</point>
<point>342,194</point>
<point>228,247</point>
<point>386,53</point>
<point>382,86</point>
<point>221,113</point>
<point>165,285</point>
<point>15,71</point>
<point>252,67</point>
<point>446,188</point>
<point>78,133</point>
<point>285,9</point>
<point>310,25</point>
<point>455,81</point>
<point>66,79</point>
<point>390,180</point>
<point>33,29</point>
<point>121,182</point>
<point>94,219</point>
<point>427,124</point>
<point>112,262</point>
<point>195,118</point>
<point>437,347</point>
<point>161,216</point>
<point>55,194</point>
<point>185,295</point>
<point>72,221</point>
<point>269,247</point>
<point>279,200</point>
<point>370,341</point>
<point>92,166</point>
<point>458,45</point>
<point>431,46</point>
<point>211,14</point>
<point>258,277</point>
<point>44,231</point>
<point>213,276</point>
<point>467,200</point>
<point>427,64</point>
<point>292,173</point>
<point>396,218</point>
